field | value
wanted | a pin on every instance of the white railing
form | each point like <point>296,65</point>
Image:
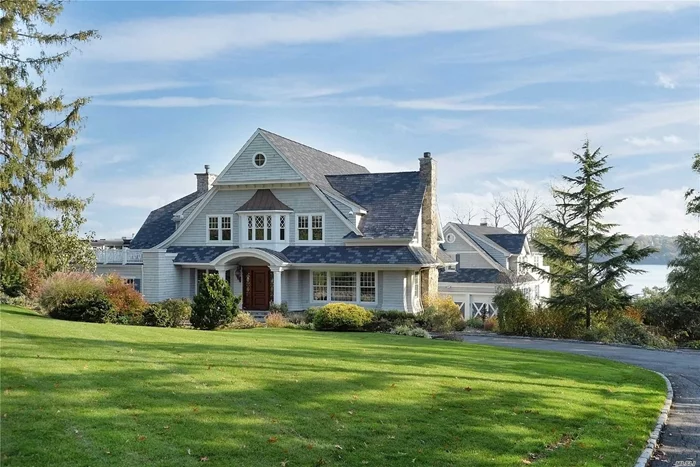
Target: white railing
<point>118,256</point>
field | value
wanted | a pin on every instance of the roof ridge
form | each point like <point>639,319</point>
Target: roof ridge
<point>311,147</point>
<point>375,173</point>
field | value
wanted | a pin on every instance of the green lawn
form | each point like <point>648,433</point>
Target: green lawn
<point>78,394</point>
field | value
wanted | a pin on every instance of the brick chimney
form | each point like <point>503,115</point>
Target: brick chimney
<point>430,222</point>
<point>204,180</point>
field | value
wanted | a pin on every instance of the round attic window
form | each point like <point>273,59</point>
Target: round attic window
<point>450,238</point>
<point>259,159</point>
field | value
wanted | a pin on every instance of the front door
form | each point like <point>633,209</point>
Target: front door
<point>256,289</point>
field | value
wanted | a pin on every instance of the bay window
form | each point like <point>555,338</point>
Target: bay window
<point>264,227</point>
<point>344,286</point>
<point>218,228</point>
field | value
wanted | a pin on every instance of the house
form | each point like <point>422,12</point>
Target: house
<point>486,259</point>
<point>284,222</point>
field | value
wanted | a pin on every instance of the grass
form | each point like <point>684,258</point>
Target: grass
<point>79,394</point>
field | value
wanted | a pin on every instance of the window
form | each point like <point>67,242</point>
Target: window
<point>368,287</point>
<point>135,283</point>
<point>219,228</point>
<point>260,228</point>
<point>450,237</point>
<point>344,286</point>
<point>310,227</point>
<point>259,159</point>
<point>320,286</point>
<point>283,222</point>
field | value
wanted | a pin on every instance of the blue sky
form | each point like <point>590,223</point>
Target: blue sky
<point>500,93</point>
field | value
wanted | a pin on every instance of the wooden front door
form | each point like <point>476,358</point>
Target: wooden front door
<point>256,289</point>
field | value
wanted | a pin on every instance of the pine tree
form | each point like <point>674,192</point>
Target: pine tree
<point>684,278</point>
<point>36,128</point>
<point>591,260</point>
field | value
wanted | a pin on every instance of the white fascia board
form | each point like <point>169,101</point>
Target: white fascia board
<point>190,218</point>
<point>344,220</point>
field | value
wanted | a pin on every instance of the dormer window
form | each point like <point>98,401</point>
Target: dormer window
<point>259,159</point>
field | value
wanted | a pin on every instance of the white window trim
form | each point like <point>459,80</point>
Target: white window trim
<point>253,160</point>
<point>358,288</point>
<point>452,236</point>
<point>309,228</point>
<point>276,215</point>
<point>220,241</point>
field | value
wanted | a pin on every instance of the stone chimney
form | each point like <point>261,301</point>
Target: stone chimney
<point>430,222</point>
<point>204,180</point>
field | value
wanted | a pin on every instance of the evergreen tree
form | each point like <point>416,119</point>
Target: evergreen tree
<point>684,278</point>
<point>591,260</point>
<point>36,129</point>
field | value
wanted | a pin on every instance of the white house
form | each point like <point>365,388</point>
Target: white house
<point>284,222</point>
<point>485,260</point>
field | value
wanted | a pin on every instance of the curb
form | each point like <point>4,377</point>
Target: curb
<point>644,458</point>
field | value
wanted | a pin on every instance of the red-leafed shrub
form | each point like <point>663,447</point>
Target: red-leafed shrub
<point>128,304</point>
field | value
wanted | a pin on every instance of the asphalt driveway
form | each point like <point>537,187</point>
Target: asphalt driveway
<point>680,439</point>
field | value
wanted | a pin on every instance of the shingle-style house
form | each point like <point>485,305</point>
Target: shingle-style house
<point>284,222</point>
<point>485,260</point>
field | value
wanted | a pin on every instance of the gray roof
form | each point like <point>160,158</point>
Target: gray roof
<point>410,256</point>
<point>474,276</point>
<point>414,256</point>
<point>512,243</point>
<point>393,201</point>
<point>263,200</point>
<point>313,164</point>
<point>483,229</point>
<point>159,224</point>
<point>198,254</point>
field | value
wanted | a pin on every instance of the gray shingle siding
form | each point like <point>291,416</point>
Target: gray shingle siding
<point>301,200</point>
<point>473,260</point>
<point>243,169</point>
<point>495,253</point>
<point>393,292</point>
<point>161,279</point>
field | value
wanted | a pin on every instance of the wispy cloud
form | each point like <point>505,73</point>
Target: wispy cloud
<point>654,169</point>
<point>665,81</point>
<point>189,38</point>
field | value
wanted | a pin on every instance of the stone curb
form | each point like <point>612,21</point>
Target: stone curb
<point>645,457</point>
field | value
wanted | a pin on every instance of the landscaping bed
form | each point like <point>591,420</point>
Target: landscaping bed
<point>101,394</point>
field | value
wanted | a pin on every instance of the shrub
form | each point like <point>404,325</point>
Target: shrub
<point>310,313</point>
<point>341,317</point>
<point>597,333</point>
<point>476,323</point>
<point>692,345</point>
<point>296,317</point>
<point>385,321</point>
<point>282,308</point>
<point>441,314</point>
<point>513,309</point>
<point>549,322</point>
<point>676,318</point>
<point>243,320</point>
<point>214,305</point>
<point>76,297</point>
<point>171,313</point>
<point>306,326</point>
<point>128,304</point>
<point>405,330</point>
<point>491,324</point>
<point>628,331</point>
<point>275,320</point>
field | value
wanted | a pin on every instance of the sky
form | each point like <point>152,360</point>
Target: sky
<point>499,93</point>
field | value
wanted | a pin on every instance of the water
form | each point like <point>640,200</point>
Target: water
<point>655,276</point>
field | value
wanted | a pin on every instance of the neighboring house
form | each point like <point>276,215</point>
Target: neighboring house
<point>284,222</point>
<point>486,259</point>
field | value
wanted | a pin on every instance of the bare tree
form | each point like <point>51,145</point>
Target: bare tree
<point>463,214</point>
<point>522,209</point>
<point>495,213</point>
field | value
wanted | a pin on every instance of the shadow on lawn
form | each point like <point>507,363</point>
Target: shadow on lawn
<point>243,405</point>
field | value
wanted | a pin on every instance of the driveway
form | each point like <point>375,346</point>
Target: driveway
<point>680,439</point>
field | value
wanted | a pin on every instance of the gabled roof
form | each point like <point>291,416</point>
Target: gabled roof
<point>393,201</point>
<point>512,243</point>
<point>263,200</point>
<point>313,164</point>
<point>159,224</point>
<point>483,229</point>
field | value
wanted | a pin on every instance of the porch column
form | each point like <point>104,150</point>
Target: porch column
<point>222,272</point>
<point>277,281</point>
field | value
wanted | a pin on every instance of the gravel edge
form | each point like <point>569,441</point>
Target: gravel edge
<point>645,457</point>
